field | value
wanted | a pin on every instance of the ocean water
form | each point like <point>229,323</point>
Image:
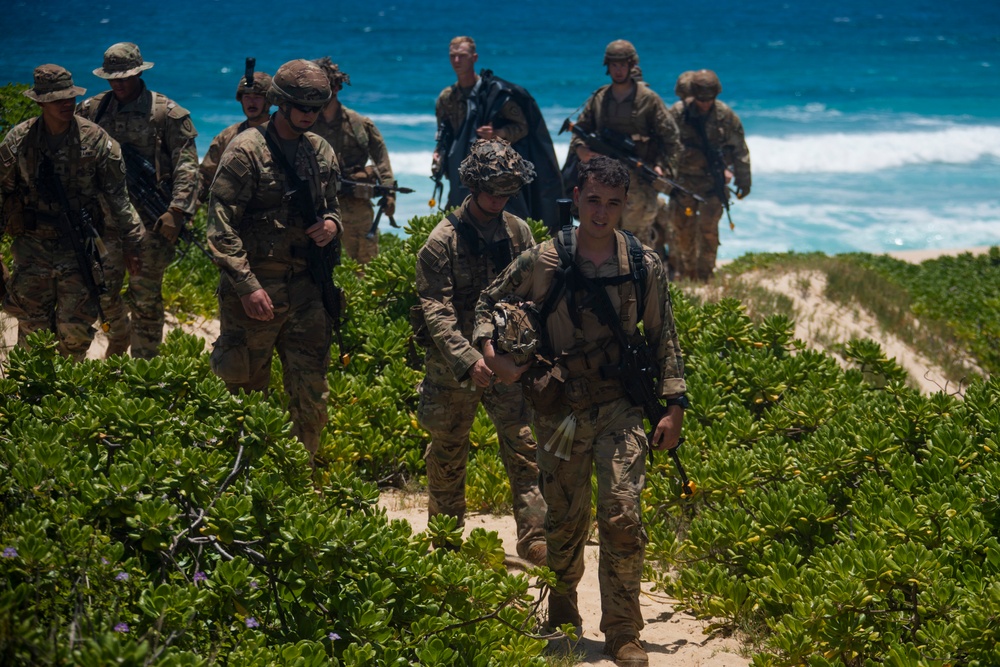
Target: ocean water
<point>872,126</point>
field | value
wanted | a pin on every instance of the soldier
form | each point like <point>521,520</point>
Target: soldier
<point>256,108</point>
<point>49,288</point>
<point>565,274</point>
<point>355,140</point>
<point>263,239</point>
<point>161,132</point>
<point>634,112</point>
<point>462,255</point>
<point>710,133</point>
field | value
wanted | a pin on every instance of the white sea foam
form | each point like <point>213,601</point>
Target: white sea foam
<point>405,119</point>
<point>870,152</point>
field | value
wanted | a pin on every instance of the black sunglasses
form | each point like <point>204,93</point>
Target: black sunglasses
<point>304,108</point>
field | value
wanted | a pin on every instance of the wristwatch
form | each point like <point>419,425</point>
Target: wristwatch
<point>681,400</point>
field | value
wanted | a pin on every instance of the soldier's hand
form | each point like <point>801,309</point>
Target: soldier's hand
<point>502,365</point>
<point>390,206</point>
<point>480,373</point>
<point>585,154</point>
<point>324,231</point>
<point>486,131</point>
<point>170,224</point>
<point>257,305</point>
<point>729,176</point>
<point>436,163</point>
<point>668,430</point>
<point>742,191</point>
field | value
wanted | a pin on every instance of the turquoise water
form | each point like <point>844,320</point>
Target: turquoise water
<point>872,125</point>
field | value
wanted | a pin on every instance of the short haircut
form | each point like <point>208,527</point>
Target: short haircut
<point>604,170</point>
<point>463,39</point>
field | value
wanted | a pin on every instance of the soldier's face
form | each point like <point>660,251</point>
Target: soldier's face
<point>58,112</point>
<point>704,106</point>
<point>254,106</point>
<point>619,71</point>
<point>491,204</point>
<point>126,89</point>
<point>463,58</point>
<point>301,118</point>
<point>601,207</point>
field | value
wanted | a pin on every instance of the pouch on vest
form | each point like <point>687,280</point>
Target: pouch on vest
<point>544,387</point>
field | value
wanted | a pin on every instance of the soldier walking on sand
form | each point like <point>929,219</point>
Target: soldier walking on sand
<point>356,141</point>
<point>161,132</point>
<point>715,151</point>
<point>462,255</point>
<point>591,423</point>
<point>635,113</point>
<point>58,175</point>
<point>256,108</point>
<point>269,299</point>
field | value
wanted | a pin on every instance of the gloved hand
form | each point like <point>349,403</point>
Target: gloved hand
<point>363,191</point>
<point>170,224</point>
<point>390,206</point>
<point>742,191</point>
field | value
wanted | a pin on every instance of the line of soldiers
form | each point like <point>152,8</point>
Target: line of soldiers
<point>690,150</point>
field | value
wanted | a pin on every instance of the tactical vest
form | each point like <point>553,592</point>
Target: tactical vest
<point>149,143</point>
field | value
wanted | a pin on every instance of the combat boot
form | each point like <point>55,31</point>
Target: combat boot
<point>537,554</point>
<point>626,651</point>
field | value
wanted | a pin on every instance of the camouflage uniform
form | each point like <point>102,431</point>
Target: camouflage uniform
<point>259,239</point>
<point>210,163</point>
<point>643,117</point>
<point>609,433</point>
<point>449,280</point>
<point>693,227</point>
<point>355,139</point>
<point>162,132</point>
<point>48,290</point>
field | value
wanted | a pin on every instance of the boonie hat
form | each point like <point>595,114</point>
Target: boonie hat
<point>52,83</point>
<point>121,61</point>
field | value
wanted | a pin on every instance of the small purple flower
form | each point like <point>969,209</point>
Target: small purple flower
<point>333,636</point>
<point>121,627</point>
<point>104,561</point>
<point>252,622</point>
<point>199,577</point>
<point>10,552</point>
<point>121,576</point>
<point>253,584</point>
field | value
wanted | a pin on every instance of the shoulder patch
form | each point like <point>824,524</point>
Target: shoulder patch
<point>7,156</point>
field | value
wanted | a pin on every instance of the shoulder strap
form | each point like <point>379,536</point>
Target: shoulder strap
<point>102,108</point>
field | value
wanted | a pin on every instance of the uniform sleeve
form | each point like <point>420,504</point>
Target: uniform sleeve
<point>668,138</point>
<point>515,124</point>
<point>232,188</point>
<point>8,171</point>
<point>661,332</point>
<point>111,175</point>
<point>378,153</point>
<point>330,207</point>
<point>737,153</point>
<point>206,172</point>
<point>517,278</point>
<point>180,135</point>
<point>435,288</point>
<point>586,121</point>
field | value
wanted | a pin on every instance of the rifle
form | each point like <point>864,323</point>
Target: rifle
<point>320,261</point>
<point>140,176</point>
<point>617,145</point>
<point>716,167</point>
<point>443,140</point>
<point>88,247</point>
<point>383,192</point>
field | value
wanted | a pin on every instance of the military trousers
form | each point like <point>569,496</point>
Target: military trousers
<point>47,291</point>
<point>357,215</point>
<point>301,331</point>
<point>144,298</point>
<point>640,210</point>
<point>695,236</point>
<point>447,410</point>
<point>609,439</point>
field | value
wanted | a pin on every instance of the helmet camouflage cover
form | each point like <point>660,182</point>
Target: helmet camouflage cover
<point>515,329</point>
<point>705,85</point>
<point>261,84</point>
<point>494,167</point>
<point>300,82</point>
<point>620,50</point>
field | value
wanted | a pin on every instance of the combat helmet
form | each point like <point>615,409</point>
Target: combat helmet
<point>261,84</point>
<point>337,76</point>
<point>494,167</point>
<point>620,50</point>
<point>516,329</point>
<point>705,85</point>
<point>299,82</point>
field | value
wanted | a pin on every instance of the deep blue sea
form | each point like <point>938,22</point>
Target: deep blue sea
<point>873,125</point>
